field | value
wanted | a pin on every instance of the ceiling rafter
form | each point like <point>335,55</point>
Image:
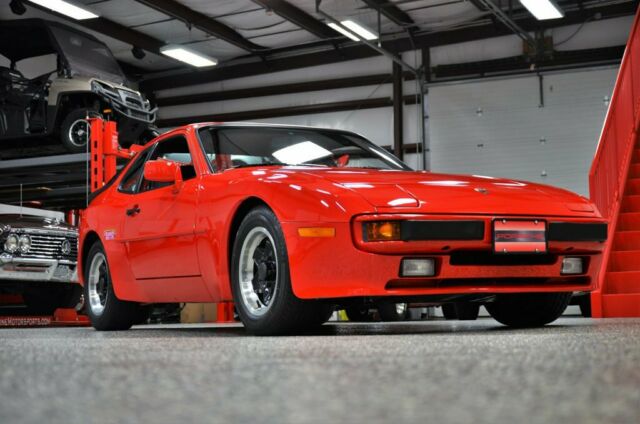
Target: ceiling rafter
<point>359,51</point>
<point>392,12</point>
<point>299,17</point>
<point>112,29</point>
<point>202,22</point>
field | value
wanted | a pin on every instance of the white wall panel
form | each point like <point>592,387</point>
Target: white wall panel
<point>283,100</point>
<point>373,65</point>
<point>496,127</point>
<point>374,124</point>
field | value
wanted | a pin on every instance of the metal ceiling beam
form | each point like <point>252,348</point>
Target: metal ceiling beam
<point>202,22</point>
<point>111,29</point>
<point>298,17</point>
<point>359,51</point>
<point>508,22</point>
<point>391,11</point>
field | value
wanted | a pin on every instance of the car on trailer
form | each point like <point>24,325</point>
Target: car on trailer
<point>290,222</point>
<point>38,258</point>
<point>83,80</point>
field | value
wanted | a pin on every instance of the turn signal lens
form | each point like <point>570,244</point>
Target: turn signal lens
<point>382,230</point>
<point>317,232</point>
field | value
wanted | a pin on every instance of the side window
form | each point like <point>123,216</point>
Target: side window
<point>131,180</point>
<point>175,149</point>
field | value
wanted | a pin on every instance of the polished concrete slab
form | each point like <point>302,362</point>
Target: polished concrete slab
<point>575,371</point>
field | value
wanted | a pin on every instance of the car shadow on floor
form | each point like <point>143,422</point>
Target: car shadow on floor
<point>333,329</point>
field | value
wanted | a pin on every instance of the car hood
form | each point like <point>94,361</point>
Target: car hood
<point>29,221</point>
<point>427,192</point>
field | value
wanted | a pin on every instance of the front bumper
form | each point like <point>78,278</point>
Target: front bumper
<point>31,269</point>
<point>127,103</point>
<point>339,267</point>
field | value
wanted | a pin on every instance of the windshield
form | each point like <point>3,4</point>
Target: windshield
<point>88,57</point>
<point>258,146</point>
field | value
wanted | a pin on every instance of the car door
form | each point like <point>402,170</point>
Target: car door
<point>159,219</point>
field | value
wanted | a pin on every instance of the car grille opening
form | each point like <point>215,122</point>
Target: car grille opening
<point>479,258</point>
<point>50,247</point>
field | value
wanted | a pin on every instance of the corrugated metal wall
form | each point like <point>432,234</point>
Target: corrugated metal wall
<point>500,128</point>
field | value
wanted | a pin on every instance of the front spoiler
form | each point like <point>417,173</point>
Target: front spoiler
<point>32,269</point>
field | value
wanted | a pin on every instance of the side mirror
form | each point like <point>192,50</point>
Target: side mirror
<point>162,171</point>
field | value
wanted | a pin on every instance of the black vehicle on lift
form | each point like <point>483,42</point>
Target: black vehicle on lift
<point>85,81</point>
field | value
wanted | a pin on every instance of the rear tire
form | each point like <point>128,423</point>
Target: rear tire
<point>261,282</point>
<point>105,310</point>
<point>75,131</point>
<point>528,310</point>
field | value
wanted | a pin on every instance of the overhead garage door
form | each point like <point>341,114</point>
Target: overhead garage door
<point>500,128</point>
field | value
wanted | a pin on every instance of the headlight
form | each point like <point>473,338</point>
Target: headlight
<point>11,244</point>
<point>24,243</point>
<point>382,231</point>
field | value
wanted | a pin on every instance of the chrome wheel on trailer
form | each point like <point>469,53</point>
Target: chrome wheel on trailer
<point>258,271</point>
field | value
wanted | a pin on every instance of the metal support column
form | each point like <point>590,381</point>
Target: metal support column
<point>397,111</point>
<point>424,103</point>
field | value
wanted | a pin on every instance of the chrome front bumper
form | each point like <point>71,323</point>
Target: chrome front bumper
<point>32,269</point>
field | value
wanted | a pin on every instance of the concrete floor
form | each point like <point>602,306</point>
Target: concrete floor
<point>576,371</point>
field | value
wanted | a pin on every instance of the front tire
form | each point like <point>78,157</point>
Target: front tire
<point>105,310</point>
<point>75,130</point>
<point>261,283</point>
<point>528,310</point>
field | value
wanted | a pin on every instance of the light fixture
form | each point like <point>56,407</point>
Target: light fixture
<point>188,56</point>
<point>355,31</point>
<point>360,30</point>
<point>138,53</point>
<point>572,266</point>
<point>543,9</point>
<point>17,7</point>
<point>412,267</point>
<point>65,8</point>
<point>343,31</point>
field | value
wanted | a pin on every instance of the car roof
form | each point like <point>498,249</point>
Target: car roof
<point>35,38</point>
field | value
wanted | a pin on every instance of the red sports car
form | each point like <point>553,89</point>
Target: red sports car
<point>290,222</point>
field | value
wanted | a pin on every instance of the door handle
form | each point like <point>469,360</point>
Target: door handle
<point>133,211</point>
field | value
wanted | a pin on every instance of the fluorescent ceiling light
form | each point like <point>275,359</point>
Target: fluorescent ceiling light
<point>360,30</point>
<point>66,8</point>
<point>543,9</point>
<point>188,56</point>
<point>299,153</point>
<point>343,31</point>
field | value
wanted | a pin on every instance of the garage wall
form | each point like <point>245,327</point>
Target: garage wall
<point>500,128</point>
<point>377,124</point>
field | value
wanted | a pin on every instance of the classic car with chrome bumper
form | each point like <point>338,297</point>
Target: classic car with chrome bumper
<point>37,249</point>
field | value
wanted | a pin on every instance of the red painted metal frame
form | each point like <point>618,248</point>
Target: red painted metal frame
<point>176,249</point>
<point>610,166</point>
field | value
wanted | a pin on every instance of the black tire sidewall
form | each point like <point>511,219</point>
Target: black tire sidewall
<point>117,314</point>
<point>71,117</point>
<point>262,217</point>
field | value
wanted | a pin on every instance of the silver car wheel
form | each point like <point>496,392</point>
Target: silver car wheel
<point>401,308</point>
<point>98,284</point>
<point>79,132</point>
<point>258,271</point>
